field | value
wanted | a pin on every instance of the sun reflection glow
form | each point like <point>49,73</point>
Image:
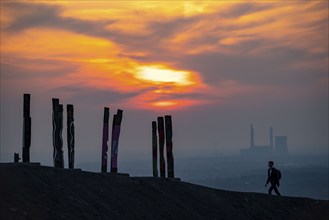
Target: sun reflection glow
<point>164,103</point>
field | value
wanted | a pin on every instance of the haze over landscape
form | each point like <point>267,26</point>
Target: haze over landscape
<point>215,66</point>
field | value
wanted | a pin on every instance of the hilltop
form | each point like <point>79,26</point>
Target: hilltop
<point>31,191</point>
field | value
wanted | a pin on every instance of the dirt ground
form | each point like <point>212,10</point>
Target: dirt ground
<point>31,191</point>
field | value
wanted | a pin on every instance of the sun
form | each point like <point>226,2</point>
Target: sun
<point>160,74</point>
<point>168,87</point>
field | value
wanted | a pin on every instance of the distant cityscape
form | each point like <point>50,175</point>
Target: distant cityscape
<point>279,148</point>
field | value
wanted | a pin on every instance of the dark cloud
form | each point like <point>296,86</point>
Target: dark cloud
<point>274,68</point>
<point>165,29</point>
<point>31,15</point>
<point>245,8</point>
<point>34,15</point>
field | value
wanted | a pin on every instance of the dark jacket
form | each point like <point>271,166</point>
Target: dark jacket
<point>272,177</point>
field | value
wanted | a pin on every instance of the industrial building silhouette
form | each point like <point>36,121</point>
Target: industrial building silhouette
<point>279,148</point>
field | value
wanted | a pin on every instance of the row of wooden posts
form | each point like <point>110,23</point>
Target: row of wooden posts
<point>163,126</point>
<point>57,123</point>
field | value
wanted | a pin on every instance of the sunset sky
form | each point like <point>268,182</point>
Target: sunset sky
<point>215,66</point>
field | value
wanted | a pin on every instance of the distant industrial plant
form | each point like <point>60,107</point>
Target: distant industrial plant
<point>280,147</point>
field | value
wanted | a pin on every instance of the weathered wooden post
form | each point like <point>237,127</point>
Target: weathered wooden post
<point>161,146</point>
<point>26,128</point>
<point>60,137</point>
<point>116,128</point>
<point>70,135</point>
<point>105,139</point>
<point>155,149</point>
<point>169,146</point>
<point>57,134</point>
<point>55,128</point>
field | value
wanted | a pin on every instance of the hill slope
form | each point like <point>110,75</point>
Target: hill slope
<point>38,192</point>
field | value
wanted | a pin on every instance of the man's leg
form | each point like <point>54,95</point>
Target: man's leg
<point>270,190</point>
<point>276,190</point>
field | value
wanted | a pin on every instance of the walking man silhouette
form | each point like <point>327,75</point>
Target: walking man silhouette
<point>273,178</point>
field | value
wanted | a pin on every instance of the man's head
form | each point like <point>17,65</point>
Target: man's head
<point>270,164</point>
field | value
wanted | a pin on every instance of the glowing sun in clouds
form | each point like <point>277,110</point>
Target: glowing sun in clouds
<point>161,75</point>
<point>169,85</point>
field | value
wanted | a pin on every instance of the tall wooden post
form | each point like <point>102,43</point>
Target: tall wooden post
<point>60,137</point>
<point>169,146</point>
<point>105,139</point>
<point>154,149</point>
<point>116,128</point>
<point>26,128</point>
<point>161,146</point>
<point>57,134</point>
<point>70,135</point>
<point>55,129</point>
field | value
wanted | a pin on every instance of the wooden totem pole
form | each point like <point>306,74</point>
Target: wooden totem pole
<point>169,146</point>
<point>57,134</point>
<point>105,139</point>
<point>116,128</point>
<point>161,146</point>
<point>154,149</point>
<point>26,129</point>
<point>70,135</point>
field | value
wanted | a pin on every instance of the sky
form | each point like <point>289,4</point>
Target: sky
<point>215,66</point>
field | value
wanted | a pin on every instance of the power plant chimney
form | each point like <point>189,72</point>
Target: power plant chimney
<point>251,136</point>
<point>271,138</point>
